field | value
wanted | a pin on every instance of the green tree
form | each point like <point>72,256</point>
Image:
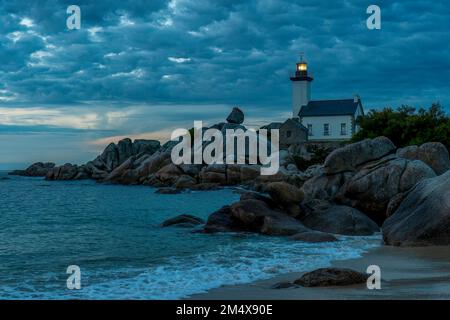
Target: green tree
<point>407,126</point>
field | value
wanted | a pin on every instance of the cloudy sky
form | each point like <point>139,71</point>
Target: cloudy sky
<point>143,68</point>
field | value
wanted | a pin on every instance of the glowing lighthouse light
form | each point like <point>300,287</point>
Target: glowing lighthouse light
<point>302,66</point>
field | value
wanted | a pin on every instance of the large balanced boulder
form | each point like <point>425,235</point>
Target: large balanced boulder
<point>434,154</point>
<point>423,217</point>
<point>326,277</point>
<point>236,116</point>
<point>340,220</point>
<point>350,157</point>
<point>37,169</point>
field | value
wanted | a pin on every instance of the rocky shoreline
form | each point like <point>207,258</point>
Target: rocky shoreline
<point>360,189</point>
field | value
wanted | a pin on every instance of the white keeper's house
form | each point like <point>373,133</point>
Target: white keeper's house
<point>325,120</point>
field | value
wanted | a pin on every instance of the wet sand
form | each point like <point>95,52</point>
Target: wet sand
<point>406,273</point>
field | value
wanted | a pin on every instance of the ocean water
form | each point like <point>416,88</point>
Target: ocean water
<point>113,234</point>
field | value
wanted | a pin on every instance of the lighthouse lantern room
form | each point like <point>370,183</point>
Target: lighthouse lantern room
<point>301,87</point>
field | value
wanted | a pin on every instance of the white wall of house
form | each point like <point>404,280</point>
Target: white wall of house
<point>317,124</point>
<point>359,113</point>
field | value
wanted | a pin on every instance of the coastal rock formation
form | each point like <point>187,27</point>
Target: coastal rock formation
<point>366,179</point>
<point>257,216</point>
<point>340,220</point>
<point>222,221</point>
<point>183,220</point>
<point>286,196</point>
<point>147,162</point>
<point>353,155</point>
<point>253,215</point>
<point>434,154</point>
<point>215,173</point>
<point>326,277</point>
<point>373,186</point>
<point>37,169</point>
<point>423,217</point>
<point>236,116</point>
<point>324,186</point>
<point>260,214</point>
<point>67,171</point>
<point>185,181</point>
<point>258,196</point>
<point>121,156</point>
<point>169,174</point>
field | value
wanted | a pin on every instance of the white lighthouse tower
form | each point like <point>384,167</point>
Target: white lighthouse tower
<point>301,87</point>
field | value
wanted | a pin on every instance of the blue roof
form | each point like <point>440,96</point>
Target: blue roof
<point>329,108</point>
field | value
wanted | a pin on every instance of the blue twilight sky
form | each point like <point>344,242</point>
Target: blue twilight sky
<point>143,68</point>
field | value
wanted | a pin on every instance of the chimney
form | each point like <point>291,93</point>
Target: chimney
<point>356,98</point>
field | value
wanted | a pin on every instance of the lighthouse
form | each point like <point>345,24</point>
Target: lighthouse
<point>301,87</point>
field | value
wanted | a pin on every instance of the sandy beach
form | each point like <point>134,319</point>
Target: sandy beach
<point>407,273</point>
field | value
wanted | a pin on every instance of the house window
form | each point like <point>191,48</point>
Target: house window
<point>310,133</point>
<point>288,134</point>
<point>343,129</point>
<point>326,129</point>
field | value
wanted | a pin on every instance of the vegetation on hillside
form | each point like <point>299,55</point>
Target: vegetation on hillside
<point>407,126</point>
<point>319,155</point>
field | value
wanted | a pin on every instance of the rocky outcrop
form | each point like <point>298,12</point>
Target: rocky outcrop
<point>114,165</point>
<point>324,186</point>
<point>340,220</point>
<point>216,173</point>
<point>37,169</point>
<point>286,196</point>
<point>374,185</point>
<point>257,216</point>
<point>366,175</point>
<point>222,220</point>
<point>327,277</point>
<point>169,174</point>
<point>183,220</point>
<point>253,215</point>
<point>185,182</point>
<point>423,217</point>
<point>67,172</point>
<point>434,154</point>
<point>236,116</point>
<point>350,157</point>
<point>258,196</point>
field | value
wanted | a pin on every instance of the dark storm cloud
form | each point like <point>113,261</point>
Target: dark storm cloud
<point>231,51</point>
<point>144,66</point>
